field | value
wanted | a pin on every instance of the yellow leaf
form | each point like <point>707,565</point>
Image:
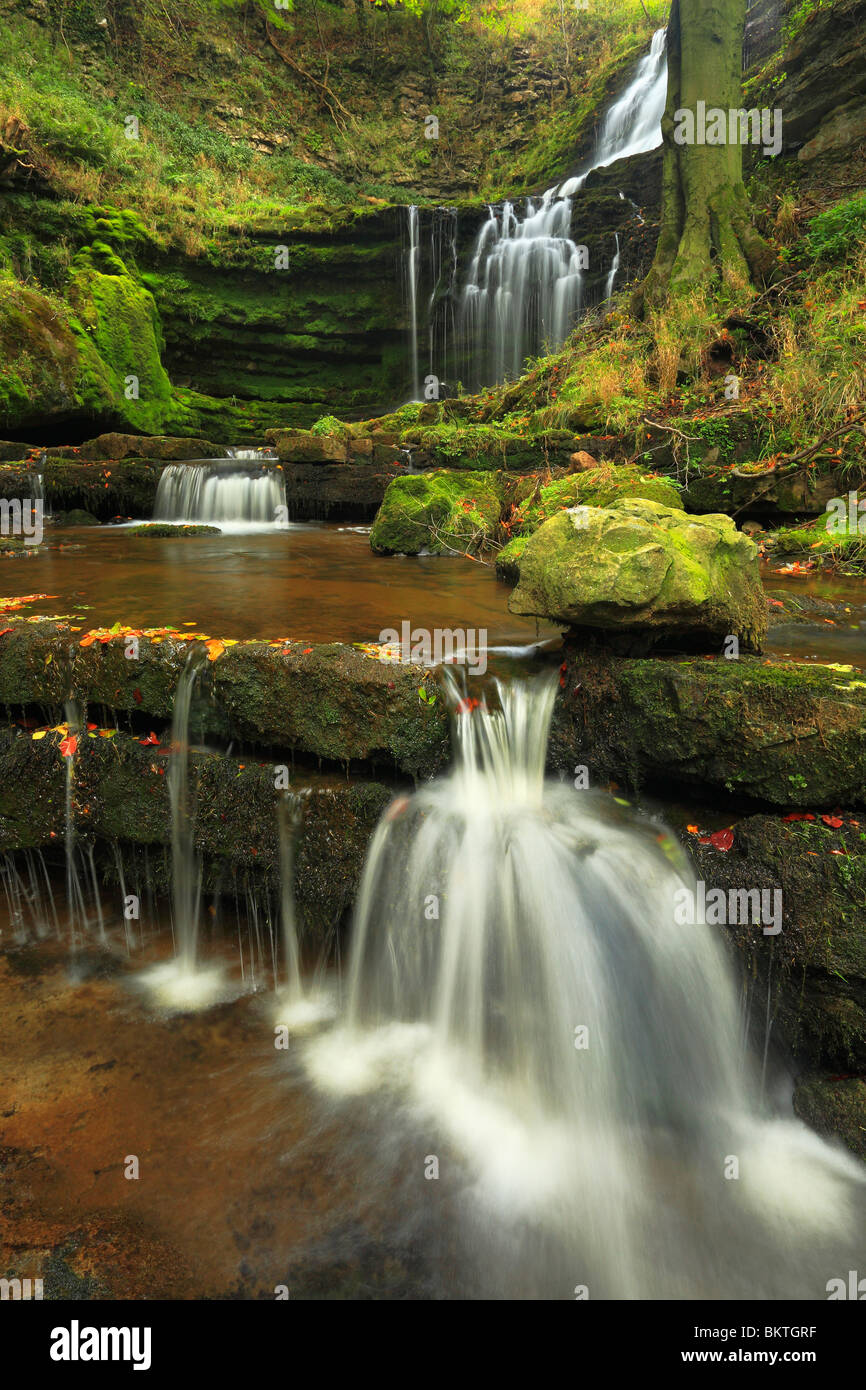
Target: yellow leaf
<point>40,733</point>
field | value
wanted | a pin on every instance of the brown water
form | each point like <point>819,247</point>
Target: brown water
<point>320,582</point>
<point>835,632</point>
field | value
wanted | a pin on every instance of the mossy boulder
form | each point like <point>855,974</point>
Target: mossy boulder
<point>303,446</point>
<point>168,448</point>
<point>328,701</point>
<point>641,567</point>
<point>76,517</point>
<point>815,966</point>
<point>835,1106</point>
<point>783,734</point>
<point>597,487</point>
<point>438,513</point>
<point>508,559</point>
<point>165,531</point>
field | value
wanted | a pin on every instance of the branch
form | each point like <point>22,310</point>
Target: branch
<point>327,93</point>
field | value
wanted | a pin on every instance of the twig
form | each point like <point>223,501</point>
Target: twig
<point>327,93</point>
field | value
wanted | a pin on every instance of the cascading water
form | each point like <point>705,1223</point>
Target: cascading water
<point>184,982</point>
<point>529,1012</point>
<point>632,125</point>
<point>412,273</point>
<point>614,267</point>
<point>184,869</point>
<point>524,288</point>
<point>441,315</point>
<point>221,491</point>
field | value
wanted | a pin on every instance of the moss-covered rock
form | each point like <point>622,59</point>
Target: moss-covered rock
<point>162,530</point>
<point>76,517</point>
<point>452,443</point>
<point>834,1106</point>
<point>439,513</point>
<point>167,448</point>
<point>508,559</point>
<point>119,797</point>
<point>597,487</point>
<point>787,735</point>
<point>329,701</point>
<point>302,446</point>
<point>641,567</point>
<point>815,966</point>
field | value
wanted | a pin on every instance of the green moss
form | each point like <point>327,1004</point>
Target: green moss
<point>118,317</point>
<point>785,734</point>
<point>843,552</point>
<point>162,531</point>
<point>597,487</point>
<point>508,559</point>
<point>439,512</point>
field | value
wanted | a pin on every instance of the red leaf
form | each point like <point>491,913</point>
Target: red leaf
<point>137,696</point>
<point>68,746</point>
<point>722,839</point>
<point>834,821</point>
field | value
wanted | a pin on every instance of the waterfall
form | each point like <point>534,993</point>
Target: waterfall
<point>441,317</point>
<point>183,982</point>
<point>221,492</point>
<point>524,1004</point>
<point>412,271</point>
<point>632,125</point>
<point>614,267</point>
<point>185,872</point>
<point>289,817</point>
<point>524,288</point>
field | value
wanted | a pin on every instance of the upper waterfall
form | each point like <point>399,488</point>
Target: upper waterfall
<point>524,288</point>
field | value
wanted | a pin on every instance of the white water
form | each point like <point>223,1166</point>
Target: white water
<point>632,125</point>
<point>498,914</point>
<point>183,982</point>
<point>524,288</point>
<point>221,493</point>
<point>614,267</point>
<point>412,286</point>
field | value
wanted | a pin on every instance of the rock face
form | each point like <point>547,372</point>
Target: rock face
<point>327,701</point>
<point>641,567</point>
<point>786,734</point>
<point>817,959</point>
<point>120,800</point>
<point>440,513</point>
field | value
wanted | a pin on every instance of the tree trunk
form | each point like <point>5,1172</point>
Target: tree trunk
<point>706,227</point>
